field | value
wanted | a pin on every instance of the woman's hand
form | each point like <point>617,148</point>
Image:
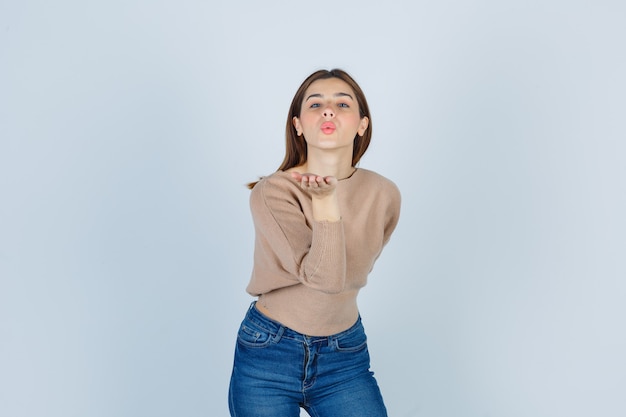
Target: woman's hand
<point>317,186</point>
<point>323,195</point>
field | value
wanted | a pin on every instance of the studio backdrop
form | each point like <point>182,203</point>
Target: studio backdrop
<point>128,130</point>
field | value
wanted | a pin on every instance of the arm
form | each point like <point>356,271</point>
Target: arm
<point>393,212</point>
<point>294,245</point>
<point>323,195</point>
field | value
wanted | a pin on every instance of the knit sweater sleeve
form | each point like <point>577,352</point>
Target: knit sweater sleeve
<point>290,246</point>
<point>393,211</point>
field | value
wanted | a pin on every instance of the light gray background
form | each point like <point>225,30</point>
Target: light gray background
<point>129,128</point>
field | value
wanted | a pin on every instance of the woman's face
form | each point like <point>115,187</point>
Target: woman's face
<point>329,118</point>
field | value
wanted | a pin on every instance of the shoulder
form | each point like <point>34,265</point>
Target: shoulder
<point>277,187</point>
<point>274,182</point>
<point>382,184</point>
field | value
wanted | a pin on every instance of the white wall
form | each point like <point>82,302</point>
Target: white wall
<point>127,131</point>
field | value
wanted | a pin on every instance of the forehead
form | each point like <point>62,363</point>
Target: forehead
<point>329,87</point>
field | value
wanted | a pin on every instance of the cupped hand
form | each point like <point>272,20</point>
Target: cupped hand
<point>316,185</point>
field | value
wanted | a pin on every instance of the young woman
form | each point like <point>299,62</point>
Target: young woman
<point>320,224</point>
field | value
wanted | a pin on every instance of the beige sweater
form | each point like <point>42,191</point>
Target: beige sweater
<point>306,273</point>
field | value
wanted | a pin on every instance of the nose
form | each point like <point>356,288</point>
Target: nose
<point>328,112</point>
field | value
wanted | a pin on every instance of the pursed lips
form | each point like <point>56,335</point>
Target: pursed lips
<point>328,127</point>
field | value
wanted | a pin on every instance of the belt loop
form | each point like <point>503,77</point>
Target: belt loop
<point>279,333</point>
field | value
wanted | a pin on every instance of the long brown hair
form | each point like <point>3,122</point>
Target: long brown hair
<point>295,146</point>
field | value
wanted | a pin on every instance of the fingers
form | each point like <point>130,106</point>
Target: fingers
<point>313,182</point>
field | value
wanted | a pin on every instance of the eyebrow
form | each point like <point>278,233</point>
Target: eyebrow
<point>317,95</point>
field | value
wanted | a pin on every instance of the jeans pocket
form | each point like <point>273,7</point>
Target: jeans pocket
<point>253,336</point>
<point>351,342</point>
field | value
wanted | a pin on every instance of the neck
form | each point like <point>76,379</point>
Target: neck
<point>329,165</point>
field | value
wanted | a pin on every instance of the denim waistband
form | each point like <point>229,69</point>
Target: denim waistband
<point>276,327</point>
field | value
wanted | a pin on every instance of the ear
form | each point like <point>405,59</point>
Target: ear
<point>365,122</point>
<point>297,125</point>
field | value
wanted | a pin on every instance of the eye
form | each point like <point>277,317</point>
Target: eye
<point>344,105</point>
<point>314,105</point>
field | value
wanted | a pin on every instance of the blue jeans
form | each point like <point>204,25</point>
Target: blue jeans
<point>278,370</point>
